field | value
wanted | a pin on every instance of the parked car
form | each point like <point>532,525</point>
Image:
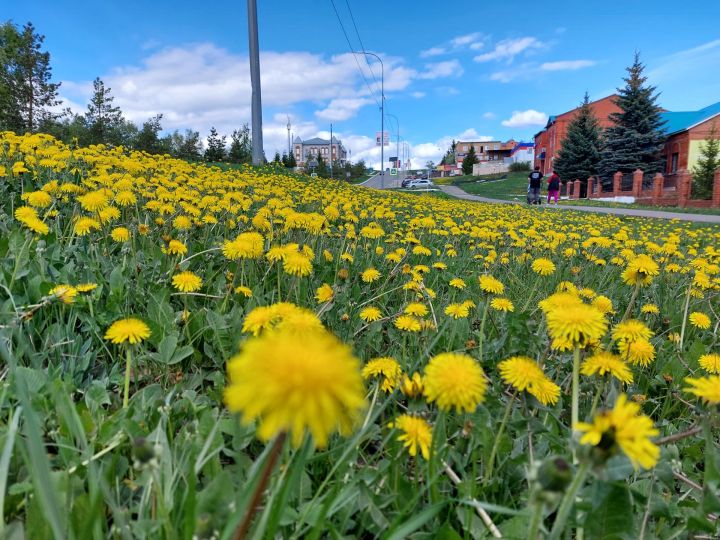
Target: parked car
<point>405,183</point>
<point>420,184</point>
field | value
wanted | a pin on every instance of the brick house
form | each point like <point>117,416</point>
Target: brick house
<point>484,150</point>
<point>686,130</point>
<point>318,147</point>
<point>549,141</point>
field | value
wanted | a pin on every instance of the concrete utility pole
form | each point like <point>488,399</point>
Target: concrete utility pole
<point>289,144</point>
<point>382,115</point>
<point>257,136</point>
<point>331,151</point>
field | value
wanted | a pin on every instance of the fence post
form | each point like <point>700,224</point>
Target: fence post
<point>617,179</point>
<point>683,188</point>
<point>576,189</point>
<point>658,185</point>
<point>716,190</point>
<point>591,187</point>
<point>637,183</point>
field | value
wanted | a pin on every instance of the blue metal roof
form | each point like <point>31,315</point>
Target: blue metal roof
<point>677,121</point>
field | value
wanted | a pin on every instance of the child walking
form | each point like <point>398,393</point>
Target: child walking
<point>553,187</point>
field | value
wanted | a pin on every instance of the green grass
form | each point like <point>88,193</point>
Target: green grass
<point>509,187</point>
<point>676,209</point>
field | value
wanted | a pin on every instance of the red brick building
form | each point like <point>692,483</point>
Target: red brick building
<point>686,131</point>
<point>549,141</point>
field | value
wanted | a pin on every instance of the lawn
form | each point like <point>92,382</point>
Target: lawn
<point>509,187</point>
<point>192,352</point>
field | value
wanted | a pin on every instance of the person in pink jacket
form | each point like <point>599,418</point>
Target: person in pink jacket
<point>553,187</point>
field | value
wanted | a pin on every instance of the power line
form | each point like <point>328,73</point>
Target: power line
<point>354,55</point>
<point>362,47</point>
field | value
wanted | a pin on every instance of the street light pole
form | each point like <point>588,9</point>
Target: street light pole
<point>397,146</point>
<point>382,115</point>
<point>257,137</point>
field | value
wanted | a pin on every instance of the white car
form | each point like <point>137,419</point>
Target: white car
<point>420,184</point>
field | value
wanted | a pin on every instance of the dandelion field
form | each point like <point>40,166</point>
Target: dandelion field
<point>190,352</point>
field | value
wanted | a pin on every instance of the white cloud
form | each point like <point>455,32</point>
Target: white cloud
<point>477,46</point>
<point>508,49</point>
<point>564,65</point>
<point>441,69</point>
<point>446,91</point>
<point>342,109</point>
<point>524,119</point>
<point>488,115</point>
<point>432,51</point>
<point>467,39</point>
<point>417,95</point>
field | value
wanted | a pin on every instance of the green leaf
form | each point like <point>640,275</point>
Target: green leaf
<point>403,530</point>
<point>611,516</point>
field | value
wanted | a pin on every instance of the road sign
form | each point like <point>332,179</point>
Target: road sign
<point>385,139</point>
<point>393,172</point>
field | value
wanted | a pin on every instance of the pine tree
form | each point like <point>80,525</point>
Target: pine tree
<point>579,157</point>
<point>469,160</point>
<point>636,138</point>
<point>240,146</point>
<point>322,169</point>
<point>102,117</point>
<point>704,170</point>
<point>26,93</point>
<point>276,158</point>
<point>215,151</point>
<point>291,162</point>
<point>148,139</point>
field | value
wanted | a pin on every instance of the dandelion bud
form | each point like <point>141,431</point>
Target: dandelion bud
<point>555,474</point>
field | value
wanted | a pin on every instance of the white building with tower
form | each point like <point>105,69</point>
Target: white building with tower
<point>311,148</point>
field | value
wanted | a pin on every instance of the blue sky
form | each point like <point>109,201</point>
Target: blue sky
<point>461,69</point>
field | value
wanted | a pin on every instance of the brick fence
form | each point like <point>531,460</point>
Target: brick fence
<point>661,190</point>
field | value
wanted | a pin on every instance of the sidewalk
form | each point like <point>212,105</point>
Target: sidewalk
<point>455,191</point>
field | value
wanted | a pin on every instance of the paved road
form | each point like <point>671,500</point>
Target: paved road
<point>703,218</point>
<point>389,182</point>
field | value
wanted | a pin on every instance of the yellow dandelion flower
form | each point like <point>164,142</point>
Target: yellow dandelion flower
<point>639,352</point>
<point>370,314</point>
<point>603,362</point>
<point>417,309</point>
<point>385,367</point>
<point>457,311</point>
<point>603,304</point>
<point>524,374</point>
<point>650,309</point>
<point>187,282</point>
<point>296,383</point>
<point>457,283</point>
<point>93,201</point>
<point>84,225</point>
<point>624,428</point>
<point>631,330</point>
<point>324,293</point>
<point>120,234</point>
<point>706,388</point>
<point>297,264</point>
<point>491,285</point>
<point>699,320</point>
<point>640,270</point>
<point>65,293</point>
<point>280,316</point>
<point>370,275</point>
<point>416,434</point>
<point>579,325</point>
<point>245,291</point>
<point>176,247</point>
<point>86,287</point>
<point>131,330</point>
<point>407,323</point>
<point>454,380</point>
<point>502,304</point>
<point>412,387</point>
<point>543,267</point>
<point>38,199</point>
<point>247,245</point>
<point>710,363</point>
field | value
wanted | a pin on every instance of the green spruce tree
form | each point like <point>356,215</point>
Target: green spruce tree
<point>636,138</point>
<point>148,139</point>
<point>704,170</point>
<point>579,157</point>
<point>276,158</point>
<point>469,160</point>
<point>215,151</point>
<point>102,117</point>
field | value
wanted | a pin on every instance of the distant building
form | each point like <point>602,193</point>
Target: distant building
<point>308,150</point>
<point>686,130</point>
<point>524,152</point>
<point>484,150</point>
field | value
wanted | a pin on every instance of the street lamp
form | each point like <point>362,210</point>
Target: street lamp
<point>397,146</point>
<point>382,115</point>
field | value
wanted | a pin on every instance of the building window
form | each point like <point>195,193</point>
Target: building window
<point>674,162</point>
<point>465,148</point>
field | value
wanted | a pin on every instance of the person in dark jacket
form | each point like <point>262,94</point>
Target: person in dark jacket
<point>534,183</point>
<point>553,187</point>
